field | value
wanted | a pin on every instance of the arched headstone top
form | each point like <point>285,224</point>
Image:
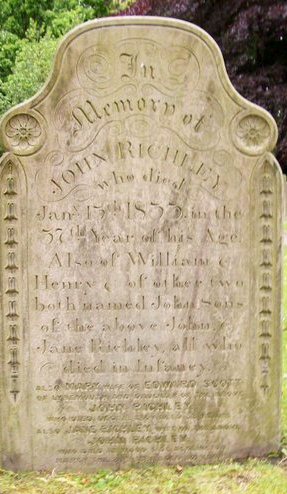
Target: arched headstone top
<point>115,63</point>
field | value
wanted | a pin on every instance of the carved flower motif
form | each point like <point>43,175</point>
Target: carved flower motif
<point>23,131</point>
<point>253,131</point>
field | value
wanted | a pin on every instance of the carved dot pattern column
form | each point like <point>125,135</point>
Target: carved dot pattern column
<point>10,198</point>
<point>266,268</point>
<point>266,231</point>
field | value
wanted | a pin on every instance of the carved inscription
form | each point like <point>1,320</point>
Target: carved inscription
<point>149,305</point>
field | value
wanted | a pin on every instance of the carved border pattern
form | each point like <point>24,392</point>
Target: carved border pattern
<point>266,233</point>
<point>11,264</point>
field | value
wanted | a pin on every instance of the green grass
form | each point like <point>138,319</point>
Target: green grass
<point>249,477</point>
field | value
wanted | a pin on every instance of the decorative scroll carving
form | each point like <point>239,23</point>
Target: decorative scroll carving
<point>130,61</point>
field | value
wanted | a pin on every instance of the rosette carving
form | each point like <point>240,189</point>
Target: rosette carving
<point>23,134</point>
<point>253,134</point>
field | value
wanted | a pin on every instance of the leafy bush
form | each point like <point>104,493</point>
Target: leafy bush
<point>32,65</point>
<point>25,63</point>
<point>9,45</point>
<point>15,15</point>
<point>58,23</point>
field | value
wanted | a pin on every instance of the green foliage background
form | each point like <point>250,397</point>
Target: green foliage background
<point>29,33</point>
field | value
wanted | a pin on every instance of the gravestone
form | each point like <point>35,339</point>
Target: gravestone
<point>140,257</point>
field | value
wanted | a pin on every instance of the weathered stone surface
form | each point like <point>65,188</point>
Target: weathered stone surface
<point>140,257</point>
